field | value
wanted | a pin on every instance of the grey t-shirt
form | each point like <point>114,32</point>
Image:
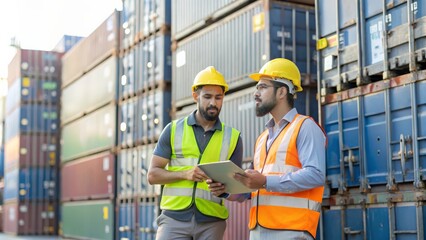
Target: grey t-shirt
<point>163,149</point>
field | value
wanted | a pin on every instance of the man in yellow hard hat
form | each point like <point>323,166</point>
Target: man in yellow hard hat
<point>288,162</point>
<point>189,210</point>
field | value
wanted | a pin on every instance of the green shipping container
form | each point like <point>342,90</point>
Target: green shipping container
<point>92,133</point>
<point>87,220</point>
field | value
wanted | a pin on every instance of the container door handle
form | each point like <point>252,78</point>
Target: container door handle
<point>347,230</point>
<point>402,153</point>
<point>350,159</point>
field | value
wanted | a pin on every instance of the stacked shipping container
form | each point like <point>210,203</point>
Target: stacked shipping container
<point>238,37</point>
<point>88,134</point>
<point>144,105</point>
<point>373,110</point>
<point>31,143</point>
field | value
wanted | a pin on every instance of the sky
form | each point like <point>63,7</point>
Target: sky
<point>40,24</point>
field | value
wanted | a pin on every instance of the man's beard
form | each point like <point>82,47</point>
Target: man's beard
<point>209,117</point>
<point>264,108</point>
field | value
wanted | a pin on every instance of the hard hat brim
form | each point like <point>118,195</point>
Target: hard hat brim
<point>256,76</point>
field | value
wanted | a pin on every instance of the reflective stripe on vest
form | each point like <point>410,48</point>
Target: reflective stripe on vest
<point>301,209</point>
<point>185,155</point>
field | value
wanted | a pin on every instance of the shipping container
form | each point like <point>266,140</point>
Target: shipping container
<point>89,52</point>
<point>2,162</point>
<point>24,150</point>
<point>66,43</point>
<point>189,16</point>
<point>32,118</point>
<point>364,41</point>
<point>88,220</point>
<point>126,223</point>
<point>88,178</point>
<point>133,166</point>
<point>238,111</point>
<point>92,133</point>
<point>237,222</point>
<point>148,210</point>
<point>34,63</point>
<point>383,215</point>
<point>91,91</point>
<point>142,118</point>
<point>145,66</point>
<point>139,19</point>
<point>376,136</point>
<point>30,218</point>
<point>32,90</point>
<point>243,42</point>
<point>31,184</point>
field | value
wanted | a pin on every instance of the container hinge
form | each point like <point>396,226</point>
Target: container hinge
<point>350,159</point>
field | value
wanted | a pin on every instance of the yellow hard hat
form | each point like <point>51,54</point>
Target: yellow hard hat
<point>280,69</point>
<point>209,76</point>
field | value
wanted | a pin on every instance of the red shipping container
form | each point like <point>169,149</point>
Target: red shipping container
<point>31,218</point>
<point>31,151</point>
<point>237,223</point>
<point>91,177</point>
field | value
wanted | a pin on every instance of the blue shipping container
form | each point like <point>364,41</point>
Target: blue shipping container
<point>126,220</point>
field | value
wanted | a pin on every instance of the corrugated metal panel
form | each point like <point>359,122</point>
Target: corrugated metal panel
<point>143,118</point>
<point>35,63</point>
<point>30,218</point>
<point>90,134</point>
<point>133,166</point>
<point>145,66</point>
<point>142,18</point>
<point>30,90</point>
<point>92,90</point>
<point>148,211</point>
<point>191,15</point>
<point>237,223</point>
<point>89,52</point>
<point>374,221</point>
<point>258,32</point>
<point>126,219</point>
<point>88,220</point>
<point>30,184</point>
<point>31,151</point>
<point>376,144</point>
<point>1,164</point>
<point>364,41</point>
<point>88,178</point>
<point>32,118</point>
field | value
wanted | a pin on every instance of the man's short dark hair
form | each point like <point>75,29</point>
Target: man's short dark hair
<point>290,97</point>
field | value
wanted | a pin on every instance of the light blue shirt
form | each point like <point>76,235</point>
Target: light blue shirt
<point>311,149</point>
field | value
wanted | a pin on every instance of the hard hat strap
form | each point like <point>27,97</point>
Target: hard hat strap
<point>289,83</point>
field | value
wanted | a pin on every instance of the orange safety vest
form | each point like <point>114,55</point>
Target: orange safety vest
<point>299,211</point>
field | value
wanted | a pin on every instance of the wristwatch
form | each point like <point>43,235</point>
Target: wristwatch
<point>224,195</point>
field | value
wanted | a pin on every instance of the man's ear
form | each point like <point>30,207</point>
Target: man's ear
<point>195,96</point>
<point>283,92</point>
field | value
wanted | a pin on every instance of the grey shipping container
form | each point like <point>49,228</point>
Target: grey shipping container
<point>91,177</point>
<point>241,43</point>
<point>364,41</point>
<point>376,135</point>
<point>145,66</point>
<point>91,91</point>
<point>191,15</point>
<point>89,52</point>
<point>90,134</point>
<point>238,111</point>
<point>139,19</point>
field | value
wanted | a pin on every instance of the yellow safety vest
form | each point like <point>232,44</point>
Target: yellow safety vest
<point>185,155</point>
<point>299,211</point>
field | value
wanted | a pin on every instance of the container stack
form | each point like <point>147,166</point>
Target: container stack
<point>31,143</point>
<point>88,134</point>
<point>370,66</point>
<point>144,106</point>
<point>238,37</point>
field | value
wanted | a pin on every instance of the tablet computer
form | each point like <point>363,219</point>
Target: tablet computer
<point>223,172</point>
